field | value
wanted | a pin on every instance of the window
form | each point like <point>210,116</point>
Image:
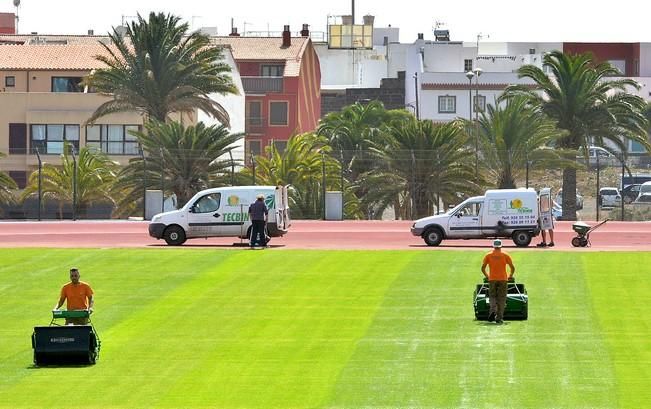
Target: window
<point>479,103</point>
<point>67,84</point>
<point>272,70</point>
<point>447,104</point>
<point>278,113</point>
<point>532,51</point>
<point>20,177</point>
<point>636,147</point>
<point>254,113</point>
<point>467,65</point>
<point>49,139</point>
<point>10,81</point>
<point>280,146</point>
<point>255,149</point>
<point>113,139</point>
<point>208,203</point>
<point>17,139</point>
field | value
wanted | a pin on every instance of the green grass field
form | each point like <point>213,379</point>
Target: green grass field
<point>184,328</point>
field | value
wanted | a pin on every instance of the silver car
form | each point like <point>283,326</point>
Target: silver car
<point>609,197</point>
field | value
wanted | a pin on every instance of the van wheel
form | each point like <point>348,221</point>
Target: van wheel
<point>174,235</point>
<point>433,236</point>
<point>521,238</point>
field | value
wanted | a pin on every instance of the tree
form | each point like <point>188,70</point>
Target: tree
<point>300,165</point>
<point>7,184</point>
<point>157,68</point>
<point>95,175</point>
<point>351,133</point>
<point>512,135</point>
<point>188,159</point>
<point>588,106</point>
<point>427,163</point>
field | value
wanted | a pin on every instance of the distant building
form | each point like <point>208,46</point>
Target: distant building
<point>281,78</point>
<point>44,103</point>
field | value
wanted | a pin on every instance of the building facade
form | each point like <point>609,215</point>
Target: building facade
<point>281,79</point>
<point>45,104</point>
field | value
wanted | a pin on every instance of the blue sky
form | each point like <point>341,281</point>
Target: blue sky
<point>502,20</point>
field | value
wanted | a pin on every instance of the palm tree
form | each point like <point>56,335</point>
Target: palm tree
<point>7,184</point>
<point>188,159</point>
<point>157,68</point>
<point>513,137</point>
<point>427,163</point>
<point>591,108</point>
<point>95,174</point>
<point>301,166</point>
<point>351,131</point>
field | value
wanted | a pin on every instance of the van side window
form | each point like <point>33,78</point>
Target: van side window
<point>207,203</point>
<point>471,209</point>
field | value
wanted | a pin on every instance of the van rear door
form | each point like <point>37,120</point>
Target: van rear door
<point>281,200</point>
<point>545,209</point>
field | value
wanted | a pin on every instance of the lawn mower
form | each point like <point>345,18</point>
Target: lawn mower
<point>66,344</point>
<point>517,301</point>
<point>583,231</point>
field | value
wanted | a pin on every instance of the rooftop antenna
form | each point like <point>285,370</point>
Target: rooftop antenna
<point>17,4</point>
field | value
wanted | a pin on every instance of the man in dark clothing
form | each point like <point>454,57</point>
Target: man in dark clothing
<point>258,213</point>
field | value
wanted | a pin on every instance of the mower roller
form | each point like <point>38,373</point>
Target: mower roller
<point>517,301</point>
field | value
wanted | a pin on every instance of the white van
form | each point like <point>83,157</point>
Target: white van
<point>505,213</point>
<point>222,212</point>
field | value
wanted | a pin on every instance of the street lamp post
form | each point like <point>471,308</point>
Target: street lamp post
<point>477,72</point>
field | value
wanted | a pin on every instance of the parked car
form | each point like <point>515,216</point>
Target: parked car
<point>579,199</point>
<point>643,199</point>
<point>557,211</point>
<point>609,197</point>
<point>605,158</point>
<point>631,192</point>
<point>645,188</point>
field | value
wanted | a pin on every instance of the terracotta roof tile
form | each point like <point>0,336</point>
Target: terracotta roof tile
<point>50,57</point>
<point>267,49</point>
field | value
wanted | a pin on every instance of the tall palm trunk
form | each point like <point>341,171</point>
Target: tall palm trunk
<point>569,194</point>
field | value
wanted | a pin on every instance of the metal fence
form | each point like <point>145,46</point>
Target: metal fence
<point>363,184</point>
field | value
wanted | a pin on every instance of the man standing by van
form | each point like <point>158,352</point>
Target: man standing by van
<point>258,213</point>
<point>497,260</point>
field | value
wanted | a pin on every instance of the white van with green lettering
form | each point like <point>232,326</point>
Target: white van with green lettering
<point>222,212</point>
<point>505,213</point>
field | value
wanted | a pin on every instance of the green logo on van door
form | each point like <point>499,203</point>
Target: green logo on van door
<point>270,201</point>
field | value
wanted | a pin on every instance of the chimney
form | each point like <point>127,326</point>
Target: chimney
<point>305,32</point>
<point>91,32</point>
<point>8,23</point>
<point>287,36</point>
<point>421,36</point>
<point>234,32</point>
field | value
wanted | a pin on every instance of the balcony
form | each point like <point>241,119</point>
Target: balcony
<point>262,85</point>
<point>255,124</point>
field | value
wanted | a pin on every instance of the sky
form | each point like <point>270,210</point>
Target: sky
<point>499,20</point>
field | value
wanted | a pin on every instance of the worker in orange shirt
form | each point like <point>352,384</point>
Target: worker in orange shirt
<point>497,260</point>
<point>79,296</point>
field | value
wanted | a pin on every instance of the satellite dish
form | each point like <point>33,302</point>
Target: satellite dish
<point>16,3</point>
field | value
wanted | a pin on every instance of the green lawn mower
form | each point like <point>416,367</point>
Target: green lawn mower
<point>517,301</point>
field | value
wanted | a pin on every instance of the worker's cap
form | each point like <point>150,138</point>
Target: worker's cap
<point>497,243</point>
<point>260,196</point>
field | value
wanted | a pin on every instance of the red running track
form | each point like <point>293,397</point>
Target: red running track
<point>304,234</point>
